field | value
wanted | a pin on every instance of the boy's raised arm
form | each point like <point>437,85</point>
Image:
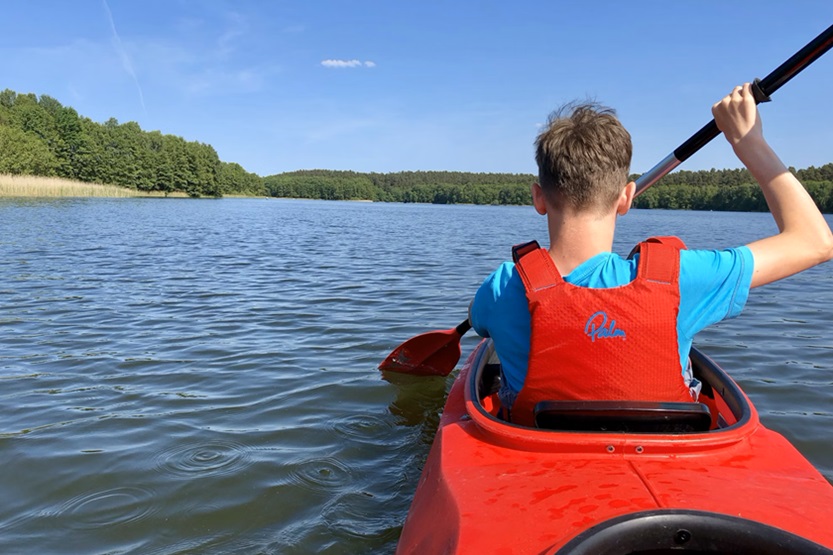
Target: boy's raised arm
<point>805,238</point>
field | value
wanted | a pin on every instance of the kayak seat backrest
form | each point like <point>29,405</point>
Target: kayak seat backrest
<point>489,380</point>
<point>623,416</point>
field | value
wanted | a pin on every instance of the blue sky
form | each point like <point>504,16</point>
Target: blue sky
<point>423,85</point>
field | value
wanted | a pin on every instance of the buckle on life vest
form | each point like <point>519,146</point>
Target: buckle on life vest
<point>523,249</point>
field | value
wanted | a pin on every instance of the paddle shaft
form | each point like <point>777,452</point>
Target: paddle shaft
<point>463,327</point>
<point>765,88</point>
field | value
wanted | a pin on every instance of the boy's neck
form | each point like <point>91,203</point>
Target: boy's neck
<point>575,237</point>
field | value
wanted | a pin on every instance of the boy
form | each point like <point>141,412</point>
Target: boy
<point>612,328</point>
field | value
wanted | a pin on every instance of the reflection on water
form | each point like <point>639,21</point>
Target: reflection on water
<point>419,401</point>
<point>199,376</point>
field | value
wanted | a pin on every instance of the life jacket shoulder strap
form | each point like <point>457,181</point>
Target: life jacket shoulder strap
<point>522,249</point>
<point>670,240</point>
<point>659,258</point>
<point>535,266</point>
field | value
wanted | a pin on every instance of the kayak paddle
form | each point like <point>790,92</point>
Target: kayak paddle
<point>762,89</point>
<point>436,353</point>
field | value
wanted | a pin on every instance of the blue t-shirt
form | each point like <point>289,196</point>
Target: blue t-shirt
<point>714,285</point>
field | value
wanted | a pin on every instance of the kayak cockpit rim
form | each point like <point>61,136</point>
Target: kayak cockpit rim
<point>681,531</point>
<point>741,416</point>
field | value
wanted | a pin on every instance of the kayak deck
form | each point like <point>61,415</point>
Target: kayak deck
<point>493,487</point>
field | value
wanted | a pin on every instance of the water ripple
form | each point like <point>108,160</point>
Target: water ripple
<point>110,507</point>
<point>364,428</point>
<point>214,457</point>
<point>326,472</point>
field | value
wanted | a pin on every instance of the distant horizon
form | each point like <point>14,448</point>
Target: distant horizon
<point>681,168</point>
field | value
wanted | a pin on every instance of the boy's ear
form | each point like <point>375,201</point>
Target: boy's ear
<point>538,200</point>
<point>626,199</point>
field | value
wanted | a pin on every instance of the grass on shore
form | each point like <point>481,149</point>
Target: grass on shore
<point>34,186</point>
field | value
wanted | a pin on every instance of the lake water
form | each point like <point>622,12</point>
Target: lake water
<point>199,376</point>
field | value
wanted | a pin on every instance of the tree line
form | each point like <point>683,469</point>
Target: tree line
<point>433,187</point>
<point>39,136</point>
<point>733,190</point>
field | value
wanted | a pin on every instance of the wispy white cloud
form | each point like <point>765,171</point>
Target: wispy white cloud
<point>182,68</point>
<point>347,63</point>
<point>238,27</point>
<point>219,81</point>
<point>125,59</point>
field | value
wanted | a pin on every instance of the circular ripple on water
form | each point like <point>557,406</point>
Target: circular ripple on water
<point>365,428</point>
<point>107,508</point>
<point>216,457</point>
<point>327,472</point>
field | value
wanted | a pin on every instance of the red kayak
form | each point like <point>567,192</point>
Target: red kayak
<point>614,478</point>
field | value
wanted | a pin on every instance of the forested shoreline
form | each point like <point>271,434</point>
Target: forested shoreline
<point>41,137</point>
<point>727,190</point>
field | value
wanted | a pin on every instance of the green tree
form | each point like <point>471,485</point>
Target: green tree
<point>22,153</point>
<point>233,179</point>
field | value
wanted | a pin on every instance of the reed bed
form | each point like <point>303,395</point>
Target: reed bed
<point>34,186</point>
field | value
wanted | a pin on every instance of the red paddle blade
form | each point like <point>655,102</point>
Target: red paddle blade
<point>435,353</point>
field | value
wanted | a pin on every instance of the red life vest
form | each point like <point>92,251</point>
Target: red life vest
<point>618,343</point>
